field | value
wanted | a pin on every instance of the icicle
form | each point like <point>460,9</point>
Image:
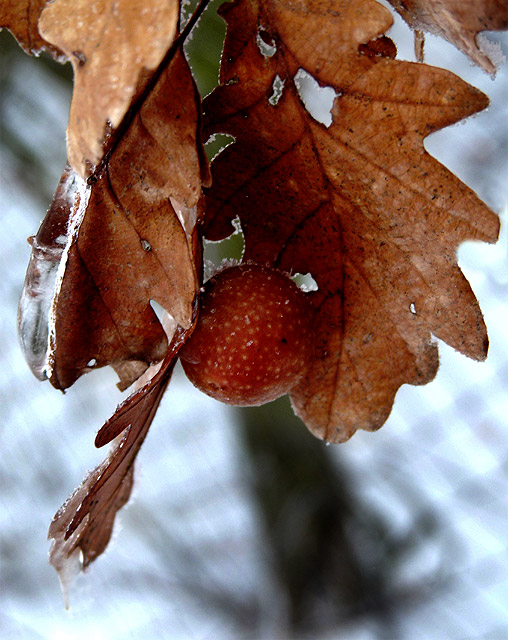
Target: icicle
<point>45,271</point>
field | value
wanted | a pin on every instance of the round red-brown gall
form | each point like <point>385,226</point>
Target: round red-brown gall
<point>254,337</point>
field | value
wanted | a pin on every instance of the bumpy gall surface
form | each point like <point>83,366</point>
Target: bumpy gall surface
<point>254,336</point>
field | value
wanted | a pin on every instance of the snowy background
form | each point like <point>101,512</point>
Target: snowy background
<point>192,557</point>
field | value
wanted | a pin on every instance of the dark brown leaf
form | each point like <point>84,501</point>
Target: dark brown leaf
<point>360,204</point>
<point>82,527</point>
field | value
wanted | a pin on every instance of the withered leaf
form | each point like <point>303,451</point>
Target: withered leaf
<point>83,525</point>
<point>21,18</point>
<point>119,243</point>
<point>458,21</point>
<point>112,44</point>
<point>359,204</point>
<point>135,242</point>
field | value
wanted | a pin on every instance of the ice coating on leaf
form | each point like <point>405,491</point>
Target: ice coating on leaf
<point>133,245</point>
<point>67,569</point>
<point>492,50</point>
<point>47,262</point>
<point>34,306</point>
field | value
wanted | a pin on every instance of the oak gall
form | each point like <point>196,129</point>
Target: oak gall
<point>254,337</point>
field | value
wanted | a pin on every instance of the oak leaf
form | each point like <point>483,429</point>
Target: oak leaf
<point>459,22</point>
<point>82,527</point>
<point>123,240</point>
<point>109,247</point>
<point>118,243</point>
<point>359,205</point>
<point>113,45</point>
<point>21,18</point>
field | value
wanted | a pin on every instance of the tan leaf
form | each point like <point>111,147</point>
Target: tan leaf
<point>111,44</point>
<point>109,248</point>
<point>360,204</point>
<point>21,18</point>
<point>459,22</point>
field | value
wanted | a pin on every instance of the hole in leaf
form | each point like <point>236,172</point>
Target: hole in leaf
<point>305,281</point>
<point>159,311</point>
<point>266,44</point>
<point>216,254</point>
<point>216,145</point>
<point>204,44</point>
<point>277,89</point>
<point>168,323</point>
<point>317,100</point>
<point>412,308</point>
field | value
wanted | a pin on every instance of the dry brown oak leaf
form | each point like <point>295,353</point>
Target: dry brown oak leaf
<point>118,243</point>
<point>129,238</point>
<point>113,45</point>
<point>82,527</point>
<point>359,205</point>
<point>459,22</point>
<point>21,17</point>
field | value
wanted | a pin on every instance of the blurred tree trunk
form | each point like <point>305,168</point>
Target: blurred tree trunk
<point>328,552</point>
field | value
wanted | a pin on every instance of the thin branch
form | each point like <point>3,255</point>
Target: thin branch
<point>138,102</point>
